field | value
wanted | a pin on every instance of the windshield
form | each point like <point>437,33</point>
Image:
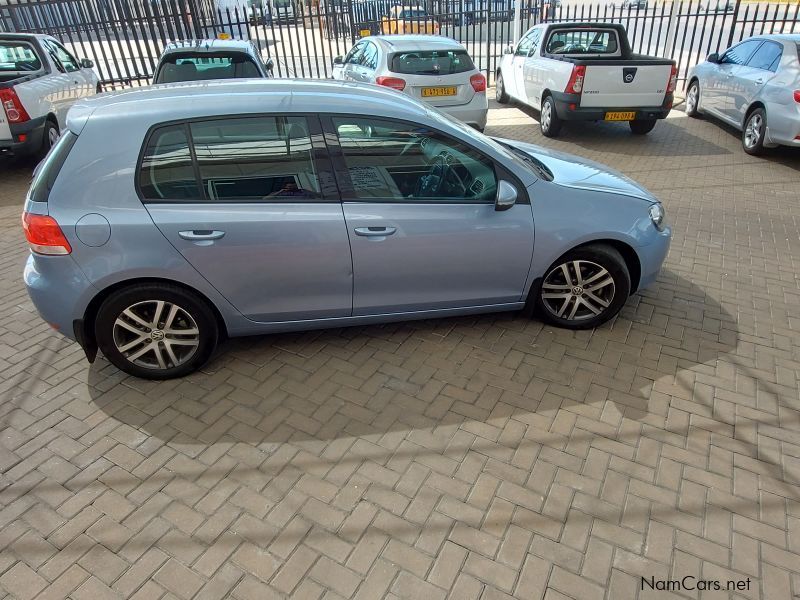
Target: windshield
<point>432,62</point>
<point>18,57</point>
<point>199,67</point>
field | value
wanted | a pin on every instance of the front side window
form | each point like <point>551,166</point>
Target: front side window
<point>767,57</point>
<point>582,41</point>
<point>432,62</point>
<point>369,58</point>
<point>18,57</point>
<point>525,44</point>
<point>232,65</point>
<point>739,54</point>
<point>64,58</point>
<point>395,161</point>
<point>355,53</point>
<point>255,158</point>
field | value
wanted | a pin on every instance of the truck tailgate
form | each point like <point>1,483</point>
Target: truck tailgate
<point>625,86</point>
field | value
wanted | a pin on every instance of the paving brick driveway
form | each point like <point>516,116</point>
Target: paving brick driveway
<point>473,457</point>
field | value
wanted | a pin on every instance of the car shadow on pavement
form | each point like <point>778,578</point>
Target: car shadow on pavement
<point>412,378</point>
<point>667,139</point>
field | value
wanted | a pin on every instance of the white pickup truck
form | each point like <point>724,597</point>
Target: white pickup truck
<point>39,81</point>
<point>586,72</point>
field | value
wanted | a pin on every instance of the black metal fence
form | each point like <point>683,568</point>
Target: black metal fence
<point>125,37</point>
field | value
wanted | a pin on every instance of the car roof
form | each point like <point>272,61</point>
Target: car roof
<point>162,103</point>
<point>781,37</point>
<point>24,36</point>
<point>208,45</point>
<point>399,43</point>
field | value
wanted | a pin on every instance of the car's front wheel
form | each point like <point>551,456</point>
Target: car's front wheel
<point>156,331</point>
<point>584,288</point>
<point>693,99</point>
<point>500,90</point>
<point>754,130</point>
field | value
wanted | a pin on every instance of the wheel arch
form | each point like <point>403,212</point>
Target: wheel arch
<point>86,335</point>
<point>754,105</point>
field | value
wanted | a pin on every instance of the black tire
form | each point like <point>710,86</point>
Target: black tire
<point>573,294</point>
<point>500,90</point>
<point>753,141</point>
<point>691,107</point>
<point>549,122</point>
<point>140,297</point>
<point>49,135</point>
<point>642,126</point>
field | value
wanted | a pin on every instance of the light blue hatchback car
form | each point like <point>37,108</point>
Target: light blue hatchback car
<point>248,207</point>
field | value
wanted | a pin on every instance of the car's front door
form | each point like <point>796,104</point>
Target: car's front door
<point>532,71</point>
<point>754,77</point>
<point>516,87</point>
<point>420,213</point>
<point>723,81</point>
<point>251,203</point>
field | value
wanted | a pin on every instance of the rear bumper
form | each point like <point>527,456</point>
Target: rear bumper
<point>473,113</point>
<point>568,108</point>
<point>32,131</point>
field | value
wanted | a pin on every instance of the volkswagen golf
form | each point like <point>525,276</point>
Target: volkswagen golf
<point>232,208</point>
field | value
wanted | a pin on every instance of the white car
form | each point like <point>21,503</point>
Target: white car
<point>39,81</point>
<point>200,60</point>
<point>754,86</point>
<point>432,68</point>
<point>586,72</point>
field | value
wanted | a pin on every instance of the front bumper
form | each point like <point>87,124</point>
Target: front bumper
<point>568,108</point>
<point>652,256</point>
<point>18,145</point>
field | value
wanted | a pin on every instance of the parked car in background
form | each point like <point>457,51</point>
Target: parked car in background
<point>231,208</point>
<point>586,72</point>
<point>409,19</point>
<point>198,60</point>
<point>39,81</point>
<point>634,4</point>
<point>435,69</point>
<point>753,86</point>
<point>720,6</point>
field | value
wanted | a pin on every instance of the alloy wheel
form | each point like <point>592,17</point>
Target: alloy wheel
<point>691,99</point>
<point>156,334</point>
<point>752,132</point>
<point>578,290</point>
<point>547,116</point>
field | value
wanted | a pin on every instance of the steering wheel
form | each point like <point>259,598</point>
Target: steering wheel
<point>440,176</point>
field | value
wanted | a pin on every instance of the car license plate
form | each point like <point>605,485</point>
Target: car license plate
<point>435,92</point>
<point>620,116</point>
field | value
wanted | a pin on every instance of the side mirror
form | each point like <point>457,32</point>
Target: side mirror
<point>339,60</point>
<point>86,63</point>
<point>508,50</point>
<point>506,196</point>
<point>270,64</point>
<point>713,58</point>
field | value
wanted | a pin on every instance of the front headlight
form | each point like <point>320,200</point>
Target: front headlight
<point>657,215</point>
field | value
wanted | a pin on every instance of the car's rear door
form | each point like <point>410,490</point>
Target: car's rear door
<point>424,232</point>
<point>754,77</point>
<point>251,203</point>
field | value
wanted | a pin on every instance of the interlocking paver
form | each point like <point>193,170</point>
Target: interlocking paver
<point>488,456</point>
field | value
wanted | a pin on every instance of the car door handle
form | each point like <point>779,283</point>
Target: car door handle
<point>759,81</point>
<point>200,235</point>
<point>375,231</point>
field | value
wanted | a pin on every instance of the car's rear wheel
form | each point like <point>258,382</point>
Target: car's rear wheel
<point>584,288</point>
<point>500,90</point>
<point>156,331</point>
<point>755,128</point>
<point>642,126</point>
<point>549,122</point>
<point>693,99</point>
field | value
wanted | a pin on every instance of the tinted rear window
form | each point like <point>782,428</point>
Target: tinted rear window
<point>195,67</point>
<point>47,172</point>
<point>582,41</point>
<point>432,62</point>
<point>18,57</point>
<point>413,14</point>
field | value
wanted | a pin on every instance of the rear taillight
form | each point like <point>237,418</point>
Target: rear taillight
<point>15,112</point>
<point>44,234</point>
<point>797,95</point>
<point>575,83</point>
<point>393,82</point>
<point>478,82</point>
<point>673,80</point>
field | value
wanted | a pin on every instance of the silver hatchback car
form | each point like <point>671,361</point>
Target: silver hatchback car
<point>250,207</point>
